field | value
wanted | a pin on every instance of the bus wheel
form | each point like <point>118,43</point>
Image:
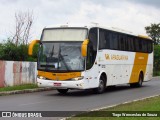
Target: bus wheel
<point>101,88</point>
<point>139,83</point>
<point>62,91</point>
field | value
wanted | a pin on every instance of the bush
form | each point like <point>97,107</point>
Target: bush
<point>11,52</point>
<point>157,59</point>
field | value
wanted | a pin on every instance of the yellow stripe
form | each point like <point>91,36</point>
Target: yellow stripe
<point>140,64</point>
<point>146,37</point>
<point>59,76</point>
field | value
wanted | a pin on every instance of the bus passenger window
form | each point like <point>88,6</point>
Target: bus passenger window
<point>93,38</point>
<point>102,40</point>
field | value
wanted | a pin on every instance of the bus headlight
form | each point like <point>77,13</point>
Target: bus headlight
<point>78,78</point>
<point>41,77</point>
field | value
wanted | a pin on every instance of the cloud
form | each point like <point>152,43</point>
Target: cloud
<point>125,15</point>
<point>154,3</point>
<point>132,15</point>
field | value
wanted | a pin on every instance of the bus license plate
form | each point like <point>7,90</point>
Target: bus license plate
<point>57,84</point>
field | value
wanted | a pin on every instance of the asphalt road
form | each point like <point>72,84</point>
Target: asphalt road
<point>77,100</point>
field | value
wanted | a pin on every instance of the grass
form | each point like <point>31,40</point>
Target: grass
<point>18,87</point>
<point>148,105</point>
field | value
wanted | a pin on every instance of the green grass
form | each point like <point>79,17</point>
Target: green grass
<point>18,87</point>
<point>150,105</point>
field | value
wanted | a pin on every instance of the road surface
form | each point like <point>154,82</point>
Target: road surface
<point>77,100</point>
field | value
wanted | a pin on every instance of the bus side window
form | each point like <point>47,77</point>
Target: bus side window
<point>150,46</point>
<point>145,46</point>
<point>121,42</point>
<point>93,38</point>
<point>130,44</point>
<point>115,39</point>
<point>136,45</point>
<point>140,45</point>
<point>92,48</point>
<point>102,39</point>
<point>126,44</point>
<point>90,55</point>
<point>107,38</point>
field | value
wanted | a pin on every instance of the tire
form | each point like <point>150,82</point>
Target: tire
<point>139,83</point>
<point>101,88</point>
<point>62,91</point>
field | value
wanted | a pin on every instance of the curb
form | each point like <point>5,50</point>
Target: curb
<point>25,91</point>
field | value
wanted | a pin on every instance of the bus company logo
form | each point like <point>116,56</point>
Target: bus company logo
<point>107,56</point>
<point>116,57</point>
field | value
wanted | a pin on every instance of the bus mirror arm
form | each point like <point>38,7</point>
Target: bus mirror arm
<point>84,47</point>
<point>31,45</point>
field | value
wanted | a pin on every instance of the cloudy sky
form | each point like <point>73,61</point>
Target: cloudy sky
<point>130,15</point>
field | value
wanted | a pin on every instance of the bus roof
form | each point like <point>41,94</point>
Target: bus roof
<point>103,27</point>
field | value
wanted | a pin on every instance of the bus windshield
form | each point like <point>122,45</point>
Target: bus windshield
<point>60,56</point>
<point>64,34</point>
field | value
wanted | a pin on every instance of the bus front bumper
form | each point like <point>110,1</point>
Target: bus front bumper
<point>79,84</point>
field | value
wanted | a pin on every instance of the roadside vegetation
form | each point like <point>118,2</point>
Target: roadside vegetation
<point>153,31</point>
<point>15,48</point>
<point>156,71</point>
<point>18,87</point>
<point>149,105</point>
<point>12,52</point>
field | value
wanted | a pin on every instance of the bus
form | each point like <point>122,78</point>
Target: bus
<point>92,58</point>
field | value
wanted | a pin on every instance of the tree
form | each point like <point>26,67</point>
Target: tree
<point>24,22</point>
<point>156,59</point>
<point>154,32</point>
<point>16,47</point>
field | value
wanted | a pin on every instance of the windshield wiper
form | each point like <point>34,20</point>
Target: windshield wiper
<point>52,52</point>
<point>60,56</point>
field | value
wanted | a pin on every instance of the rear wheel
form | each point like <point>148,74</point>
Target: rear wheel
<point>139,83</point>
<point>62,91</point>
<point>101,88</point>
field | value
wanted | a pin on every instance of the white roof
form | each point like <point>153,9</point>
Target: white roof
<point>99,26</point>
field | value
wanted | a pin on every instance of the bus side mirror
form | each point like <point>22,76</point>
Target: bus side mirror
<point>84,48</point>
<point>31,45</point>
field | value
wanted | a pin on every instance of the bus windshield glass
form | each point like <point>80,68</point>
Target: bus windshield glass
<point>64,34</point>
<point>60,56</point>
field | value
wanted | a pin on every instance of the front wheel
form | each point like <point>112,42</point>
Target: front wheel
<point>62,91</point>
<point>101,88</point>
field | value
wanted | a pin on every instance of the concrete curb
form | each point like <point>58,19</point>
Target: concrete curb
<point>25,91</point>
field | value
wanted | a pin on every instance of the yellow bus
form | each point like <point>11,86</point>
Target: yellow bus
<point>92,58</point>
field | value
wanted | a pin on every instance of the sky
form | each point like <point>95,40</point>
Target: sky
<point>129,15</point>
